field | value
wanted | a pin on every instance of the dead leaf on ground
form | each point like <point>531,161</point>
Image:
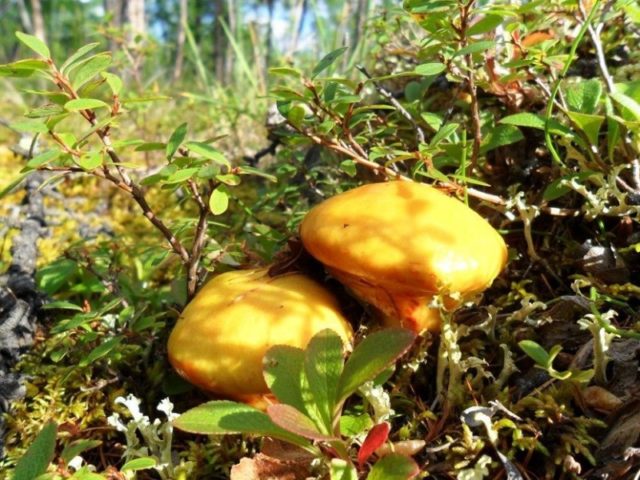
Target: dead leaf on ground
<point>263,467</point>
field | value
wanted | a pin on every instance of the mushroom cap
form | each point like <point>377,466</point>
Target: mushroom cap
<point>407,237</point>
<point>223,334</point>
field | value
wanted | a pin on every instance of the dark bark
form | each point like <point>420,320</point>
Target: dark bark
<point>19,298</point>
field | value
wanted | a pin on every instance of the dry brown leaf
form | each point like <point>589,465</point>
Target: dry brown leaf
<point>263,467</point>
<point>601,399</point>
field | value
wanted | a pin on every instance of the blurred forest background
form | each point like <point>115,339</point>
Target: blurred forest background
<point>174,39</point>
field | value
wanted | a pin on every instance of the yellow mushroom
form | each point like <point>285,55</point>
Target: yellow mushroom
<point>221,337</point>
<point>397,244</point>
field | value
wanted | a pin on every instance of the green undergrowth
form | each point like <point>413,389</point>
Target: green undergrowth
<point>529,113</point>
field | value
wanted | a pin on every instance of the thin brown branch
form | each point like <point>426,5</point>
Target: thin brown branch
<point>198,241</point>
<point>124,182</point>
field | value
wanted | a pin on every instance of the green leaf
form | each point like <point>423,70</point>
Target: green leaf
<point>139,464</point>
<point>283,367</point>
<point>23,68</point>
<point>46,111</point>
<point>76,448</point>
<point>81,52</point>
<point>342,470</point>
<point>349,167</point>
<point>90,161</point>
<point>100,351</point>
<point>323,364</point>
<point>257,172</point>
<point>296,116</point>
<point>433,120</point>
<point>229,179</point>
<point>53,276</point>
<point>394,467</point>
<point>475,47</point>
<point>35,44</point>
<point>61,305</point>
<point>218,201</point>
<point>352,425</point>
<point>631,107</point>
<point>30,126</point>
<point>150,147</point>
<point>285,71</point>
<point>583,97</point>
<point>614,130</point>
<point>430,69</point>
<point>524,119</point>
<point>374,354</point>
<point>535,351</point>
<point>83,474</point>
<point>182,175</point>
<point>176,139</point>
<point>589,124</point>
<point>13,185</point>
<point>293,420</point>
<point>43,158</point>
<point>114,82</point>
<point>210,153</point>
<point>90,68</point>
<point>443,133</point>
<point>484,25</point>
<point>556,189</point>
<point>500,136</point>
<point>40,453</point>
<point>84,104</point>
<point>225,417</point>
<point>327,61</point>
<point>533,120</point>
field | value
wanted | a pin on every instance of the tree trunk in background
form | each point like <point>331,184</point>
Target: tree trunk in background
<point>38,20</point>
<point>301,12</point>
<point>232,23</point>
<point>362,11</point>
<point>135,18</point>
<point>267,59</point>
<point>25,18</point>
<point>220,43</point>
<point>115,9</point>
<point>177,72</point>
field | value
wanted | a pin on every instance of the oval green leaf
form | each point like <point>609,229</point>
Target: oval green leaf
<point>84,104</point>
<point>35,44</point>
<point>218,201</point>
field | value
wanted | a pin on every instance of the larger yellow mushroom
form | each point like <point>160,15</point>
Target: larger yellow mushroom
<point>223,334</point>
<point>398,244</point>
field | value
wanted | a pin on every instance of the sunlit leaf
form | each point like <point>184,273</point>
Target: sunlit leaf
<point>394,467</point>
<point>225,417</point>
<point>84,104</point>
<point>219,201</point>
<point>139,464</point>
<point>293,420</point>
<point>207,151</point>
<point>371,356</point>
<point>176,139</point>
<point>81,52</point>
<point>34,43</point>
<point>430,69</point>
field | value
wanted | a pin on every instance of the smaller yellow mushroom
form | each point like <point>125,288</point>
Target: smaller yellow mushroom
<point>396,245</point>
<point>223,334</point>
